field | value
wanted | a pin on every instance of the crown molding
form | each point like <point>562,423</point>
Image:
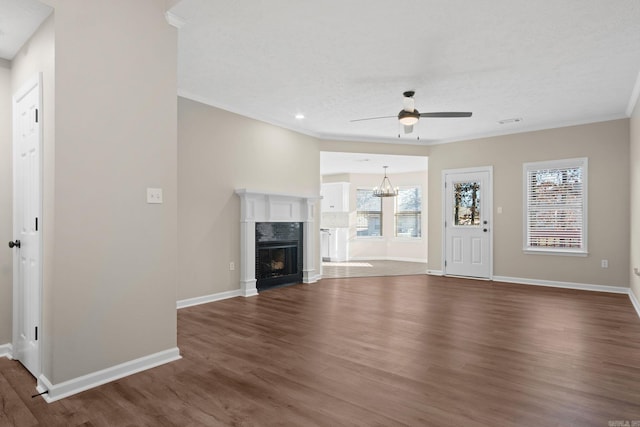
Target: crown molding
<point>635,94</point>
<point>174,20</point>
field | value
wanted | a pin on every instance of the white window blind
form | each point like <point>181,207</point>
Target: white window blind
<point>368,214</point>
<point>409,212</point>
<point>556,206</point>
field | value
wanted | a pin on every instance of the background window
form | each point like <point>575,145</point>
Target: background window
<point>368,213</point>
<point>556,206</point>
<point>409,212</point>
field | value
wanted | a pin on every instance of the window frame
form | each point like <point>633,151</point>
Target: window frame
<point>580,162</point>
<point>369,212</point>
<point>396,213</point>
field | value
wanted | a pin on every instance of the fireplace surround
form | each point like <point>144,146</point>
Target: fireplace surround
<point>263,207</point>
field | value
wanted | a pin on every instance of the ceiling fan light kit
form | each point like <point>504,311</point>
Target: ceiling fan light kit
<point>409,118</point>
<point>385,189</point>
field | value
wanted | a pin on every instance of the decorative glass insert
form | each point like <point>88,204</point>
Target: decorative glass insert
<point>368,214</point>
<point>466,209</point>
<point>409,212</point>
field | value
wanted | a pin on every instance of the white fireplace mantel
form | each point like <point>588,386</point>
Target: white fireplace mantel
<point>259,206</point>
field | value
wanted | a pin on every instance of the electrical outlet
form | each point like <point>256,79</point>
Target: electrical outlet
<point>154,195</point>
<point>604,263</point>
<point>232,266</point>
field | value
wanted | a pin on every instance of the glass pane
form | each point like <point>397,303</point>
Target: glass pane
<point>366,201</point>
<point>466,208</point>
<point>368,224</point>
<point>409,200</point>
<point>369,213</point>
<point>408,225</point>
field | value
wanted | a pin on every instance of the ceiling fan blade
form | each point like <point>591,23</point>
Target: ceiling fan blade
<point>443,114</point>
<point>408,128</point>
<point>374,118</point>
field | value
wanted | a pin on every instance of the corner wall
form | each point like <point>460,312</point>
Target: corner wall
<point>6,205</point>
<point>606,145</point>
<point>635,201</point>
<point>110,276</point>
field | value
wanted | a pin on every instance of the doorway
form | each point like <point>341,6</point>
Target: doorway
<point>367,235</point>
<point>468,220</point>
<point>27,224</point>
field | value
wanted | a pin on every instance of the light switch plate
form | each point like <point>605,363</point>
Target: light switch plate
<point>154,195</point>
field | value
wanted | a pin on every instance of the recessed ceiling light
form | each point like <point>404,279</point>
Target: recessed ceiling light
<point>514,120</point>
<point>299,116</point>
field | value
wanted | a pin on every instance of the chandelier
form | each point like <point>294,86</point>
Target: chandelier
<point>385,189</point>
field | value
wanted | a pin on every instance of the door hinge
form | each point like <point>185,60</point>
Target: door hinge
<point>36,115</point>
<point>445,263</point>
<point>36,223</point>
<point>36,333</point>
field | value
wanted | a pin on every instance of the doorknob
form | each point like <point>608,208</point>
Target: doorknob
<point>485,230</point>
<point>16,244</point>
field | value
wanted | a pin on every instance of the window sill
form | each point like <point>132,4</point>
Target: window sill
<point>370,238</point>
<point>554,252</point>
<point>407,239</point>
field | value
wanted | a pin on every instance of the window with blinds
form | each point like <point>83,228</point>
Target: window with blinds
<point>368,214</point>
<point>556,206</point>
<point>409,212</point>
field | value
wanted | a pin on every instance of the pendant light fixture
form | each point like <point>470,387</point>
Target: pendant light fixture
<point>385,189</point>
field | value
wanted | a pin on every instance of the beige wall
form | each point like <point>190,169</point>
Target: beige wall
<point>606,145</point>
<point>374,148</point>
<point>635,199</point>
<point>109,258</point>
<point>219,152</point>
<point>6,208</point>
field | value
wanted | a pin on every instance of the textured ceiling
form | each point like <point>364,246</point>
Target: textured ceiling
<point>551,63</point>
<point>18,21</point>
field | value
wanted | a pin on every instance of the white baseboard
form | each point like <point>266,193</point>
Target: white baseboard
<point>6,350</point>
<point>634,301</point>
<point>183,303</point>
<point>565,285</point>
<point>95,379</point>
<point>387,258</point>
<point>313,279</point>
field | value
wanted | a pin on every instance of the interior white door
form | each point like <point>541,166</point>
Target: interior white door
<point>467,223</point>
<point>27,224</point>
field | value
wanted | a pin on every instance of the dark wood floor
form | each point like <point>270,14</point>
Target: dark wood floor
<point>409,350</point>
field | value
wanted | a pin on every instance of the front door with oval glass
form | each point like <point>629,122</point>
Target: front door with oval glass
<point>467,223</point>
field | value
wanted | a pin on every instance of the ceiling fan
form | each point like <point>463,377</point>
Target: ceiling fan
<point>409,116</point>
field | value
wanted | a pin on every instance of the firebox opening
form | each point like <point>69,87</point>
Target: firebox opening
<point>278,254</point>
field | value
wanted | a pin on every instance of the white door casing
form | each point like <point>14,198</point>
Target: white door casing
<point>27,224</point>
<point>468,220</point>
